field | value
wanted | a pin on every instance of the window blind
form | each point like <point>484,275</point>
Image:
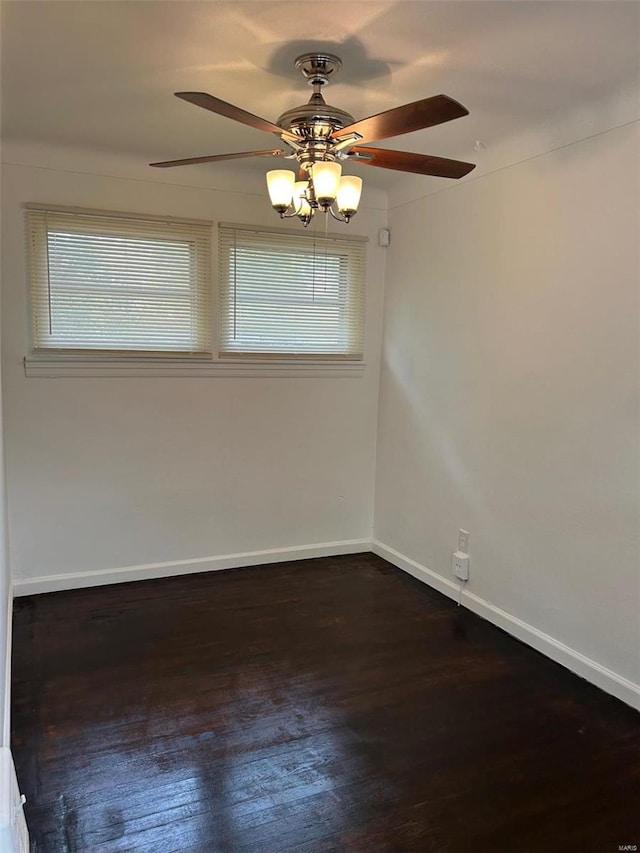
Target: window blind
<point>113,283</point>
<point>299,295</point>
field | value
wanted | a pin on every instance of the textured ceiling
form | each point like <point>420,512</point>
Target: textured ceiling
<point>100,75</point>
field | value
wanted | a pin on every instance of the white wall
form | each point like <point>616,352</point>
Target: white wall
<point>106,473</point>
<point>509,391</point>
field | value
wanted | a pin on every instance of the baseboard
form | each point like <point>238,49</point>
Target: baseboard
<point>578,663</point>
<point>123,574</point>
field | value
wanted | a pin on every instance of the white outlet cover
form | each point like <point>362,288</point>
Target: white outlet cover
<point>463,541</point>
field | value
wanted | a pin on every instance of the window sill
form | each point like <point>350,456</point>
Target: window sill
<point>59,366</point>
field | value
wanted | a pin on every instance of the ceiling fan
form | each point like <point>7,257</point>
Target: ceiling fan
<point>321,137</point>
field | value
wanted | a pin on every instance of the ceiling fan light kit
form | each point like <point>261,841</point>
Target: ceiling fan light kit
<point>325,188</point>
<point>321,137</point>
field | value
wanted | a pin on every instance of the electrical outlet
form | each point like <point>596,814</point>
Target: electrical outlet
<point>460,565</point>
<point>463,541</point>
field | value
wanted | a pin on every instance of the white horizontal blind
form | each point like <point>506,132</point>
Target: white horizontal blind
<point>290,294</point>
<point>110,283</point>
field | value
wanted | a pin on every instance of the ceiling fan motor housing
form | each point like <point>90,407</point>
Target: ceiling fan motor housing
<point>315,121</point>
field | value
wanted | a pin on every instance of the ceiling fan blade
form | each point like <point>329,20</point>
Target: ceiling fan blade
<point>215,105</point>
<point>403,161</point>
<point>212,158</point>
<point>405,119</point>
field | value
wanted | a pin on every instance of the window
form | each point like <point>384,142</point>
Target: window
<point>290,294</point>
<point>111,283</point>
<point>116,294</point>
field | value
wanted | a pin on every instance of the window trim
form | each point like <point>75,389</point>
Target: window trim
<point>58,366</point>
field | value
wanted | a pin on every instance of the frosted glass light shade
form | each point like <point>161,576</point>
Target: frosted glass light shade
<point>280,185</point>
<point>326,178</point>
<point>349,194</point>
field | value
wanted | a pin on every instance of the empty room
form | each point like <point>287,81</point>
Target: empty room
<point>320,426</point>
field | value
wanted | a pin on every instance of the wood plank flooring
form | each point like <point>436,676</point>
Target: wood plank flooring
<point>323,705</point>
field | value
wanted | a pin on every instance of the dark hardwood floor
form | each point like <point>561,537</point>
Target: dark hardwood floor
<point>323,705</point>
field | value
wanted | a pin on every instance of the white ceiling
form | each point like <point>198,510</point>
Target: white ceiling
<point>101,75</point>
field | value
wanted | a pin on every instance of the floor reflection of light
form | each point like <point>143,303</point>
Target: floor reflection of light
<point>257,748</point>
<point>283,759</point>
<point>138,786</point>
